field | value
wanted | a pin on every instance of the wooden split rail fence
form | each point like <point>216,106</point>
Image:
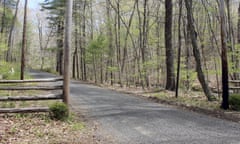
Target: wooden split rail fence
<point>234,86</point>
<point>51,84</point>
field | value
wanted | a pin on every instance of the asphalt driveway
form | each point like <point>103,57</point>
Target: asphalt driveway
<point>134,120</point>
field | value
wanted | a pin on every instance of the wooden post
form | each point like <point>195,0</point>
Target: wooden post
<point>67,48</point>
<point>24,41</point>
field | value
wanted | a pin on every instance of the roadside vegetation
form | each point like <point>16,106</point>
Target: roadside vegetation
<point>55,126</point>
<point>9,71</point>
<point>121,44</point>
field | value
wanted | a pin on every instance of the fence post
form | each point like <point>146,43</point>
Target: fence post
<point>67,48</point>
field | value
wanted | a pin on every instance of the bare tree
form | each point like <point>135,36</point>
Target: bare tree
<point>196,53</point>
<point>3,17</point>
<point>43,43</point>
<point>238,25</point>
<point>9,51</point>
<point>170,85</point>
<point>110,42</point>
<point>24,41</point>
<point>67,49</point>
<point>179,46</point>
<point>225,87</point>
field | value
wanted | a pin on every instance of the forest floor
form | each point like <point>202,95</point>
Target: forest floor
<point>39,128</point>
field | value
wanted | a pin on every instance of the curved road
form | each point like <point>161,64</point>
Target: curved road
<point>134,120</point>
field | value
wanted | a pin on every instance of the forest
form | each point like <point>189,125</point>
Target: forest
<point>186,44</point>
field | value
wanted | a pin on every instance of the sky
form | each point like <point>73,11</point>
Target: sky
<point>33,4</point>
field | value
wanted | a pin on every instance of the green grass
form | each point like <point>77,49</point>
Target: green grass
<point>234,101</point>
<point>7,73</point>
<point>77,126</point>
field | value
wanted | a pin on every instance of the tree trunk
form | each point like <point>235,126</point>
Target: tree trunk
<point>225,87</point>
<point>67,51</point>
<point>84,41</point>
<point>238,41</point>
<point>144,42</point>
<point>158,48</point>
<point>24,41</point>
<point>118,43</point>
<point>231,42</point>
<point>196,53</point>
<point>75,54</point>
<point>40,37</point>
<point>110,43</point>
<point>9,51</point>
<point>179,46</point>
<point>238,25</point>
<point>59,65</point>
<point>170,83</point>
<point>3,17</point>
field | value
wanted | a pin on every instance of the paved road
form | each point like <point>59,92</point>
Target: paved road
<point>134,120</point>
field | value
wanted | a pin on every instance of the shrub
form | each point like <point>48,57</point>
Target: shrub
<point>234,101</point>
<point>59,111</point>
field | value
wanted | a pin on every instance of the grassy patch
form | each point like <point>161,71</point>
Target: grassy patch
<point>10,71</point>
<point>234,101</point>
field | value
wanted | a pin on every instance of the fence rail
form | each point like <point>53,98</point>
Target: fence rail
<point>31,98</point>
<point>24,110</point>
<point>40,85</point>
<point>57,87</point>
<point>234,86</point>
<point>31,80</point>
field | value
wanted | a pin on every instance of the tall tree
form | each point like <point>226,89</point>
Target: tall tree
<point>56,9</point>
<point>3,17</point>
<point>67,50</point>
<point>179,47</point>
<point>144,40</point>
<point>9,51</point>
<point>84,44</point>
<point>24,40</point>
<point>170,83</point>
<point>238,25</point>
<point>196,52</point>
<point>225,87</point>
<point>110,42</point>
<point>44,39</point>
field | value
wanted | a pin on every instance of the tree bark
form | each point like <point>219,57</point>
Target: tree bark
<point>231,42</point>
<point>144,41</point>
<point>9,51</point>
<point>238,25</point>
<point>84,41</point>
<point>3,17</point>
<point>24,41</point>
<point>170,83</point>
<point>179,47</point>
<point>225,87</point>
<point>196,53</point>
<point>67,52</point>
<point>110,43</point>
<point>59,65</point>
